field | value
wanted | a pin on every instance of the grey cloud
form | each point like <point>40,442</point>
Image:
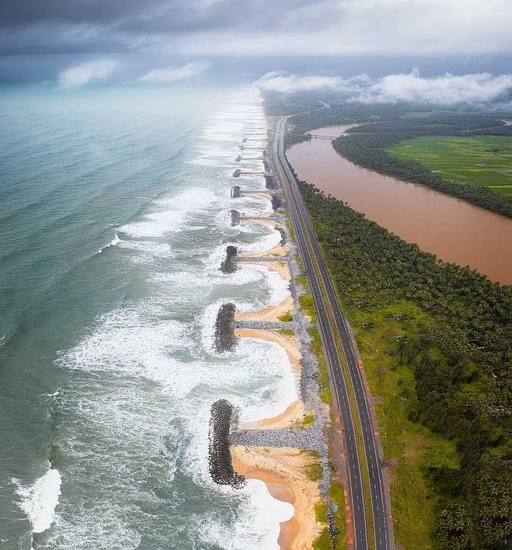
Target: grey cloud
<point>35,26</point>
<point>257,27</point>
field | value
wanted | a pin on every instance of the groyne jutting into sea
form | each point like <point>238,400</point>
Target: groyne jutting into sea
<point>292,433</point>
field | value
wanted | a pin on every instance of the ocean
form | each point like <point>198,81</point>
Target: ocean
<point>114,218</point>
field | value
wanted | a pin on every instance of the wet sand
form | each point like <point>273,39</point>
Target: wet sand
<point>453,230</point>
<point>270,313</point>
<point>273,312</point>
<point>283,471</point>
<point>278,250</point>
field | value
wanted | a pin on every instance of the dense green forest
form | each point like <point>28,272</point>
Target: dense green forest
<point>367,144</point>
<point>459,355</point>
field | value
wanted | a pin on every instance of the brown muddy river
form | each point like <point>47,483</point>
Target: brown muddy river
<point>453,230</point>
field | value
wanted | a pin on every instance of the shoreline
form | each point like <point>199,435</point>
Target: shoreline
<point>295,411</point>
<point>283,470</point>
<point>277,250</point>
<point>274,311</point>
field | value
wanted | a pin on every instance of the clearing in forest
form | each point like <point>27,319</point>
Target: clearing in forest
<point>475,160</point>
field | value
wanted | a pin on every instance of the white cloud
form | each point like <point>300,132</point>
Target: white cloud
<point>444,90</point>
<point>97,69</point>
<point>281,81</point>
<point>174,74</point>
<point>448,89</point>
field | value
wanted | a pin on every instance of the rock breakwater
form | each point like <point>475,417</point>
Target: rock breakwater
<point>234,216</point>
<point>229,264</point>
<point>219,455</point>
<point>224,338</point>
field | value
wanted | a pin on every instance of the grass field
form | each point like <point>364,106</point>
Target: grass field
<point>475,160</point>
<point>409,448</point>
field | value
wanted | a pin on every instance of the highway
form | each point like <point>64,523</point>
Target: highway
<point>328,311</point>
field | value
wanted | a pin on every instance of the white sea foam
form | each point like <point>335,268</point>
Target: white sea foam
<point>268,511</point>
<point>269,239</point>
<point>40,499</point>
<point>115,241</point>
<point>156,224</point>
<point>126,341</point>
<point>258,525</point>
<point>149,247</point>
<point>272,379</point>
<point>142,382</point>
<point>162,222</point>
<point>278,286</point>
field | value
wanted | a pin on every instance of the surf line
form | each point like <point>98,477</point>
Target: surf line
<point>280,451</point>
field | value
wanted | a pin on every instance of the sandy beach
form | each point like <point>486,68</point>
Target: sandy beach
<point>264,194</point>
<point>278,250</point>
<point>295,412</point>
<point>263,221</point>
<point>289,343</point>
<point>283,471</point>
<point>270,313</point>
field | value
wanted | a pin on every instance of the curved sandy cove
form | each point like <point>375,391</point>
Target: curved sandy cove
<point>283,470</point>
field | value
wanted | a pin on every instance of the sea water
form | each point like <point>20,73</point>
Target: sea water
<point>114,217</point>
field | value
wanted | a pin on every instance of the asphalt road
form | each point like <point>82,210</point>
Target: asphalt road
<point>311,254</point>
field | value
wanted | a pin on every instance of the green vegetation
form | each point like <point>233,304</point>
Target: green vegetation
<point>324,540</point>
<point>323,375</point>
<point>301,280</point>
<point>321,512</point>
<point>338,497</point>
<point>314,470</point>
<point>308,306</point>
<point>369,145</point>
<point>477,160</point>
<point>411,447</point>
<point>286,317</point>
<point>308,420</point>
<point>436,341</point>
<point>286,332</point>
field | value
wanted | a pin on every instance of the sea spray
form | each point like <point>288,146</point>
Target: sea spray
<point>39,500</point>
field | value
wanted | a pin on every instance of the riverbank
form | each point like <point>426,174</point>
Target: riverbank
<point>454,230</point>
<point>412,316</point>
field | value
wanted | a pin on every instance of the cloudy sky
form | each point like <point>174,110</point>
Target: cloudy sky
<point>72,42</point>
